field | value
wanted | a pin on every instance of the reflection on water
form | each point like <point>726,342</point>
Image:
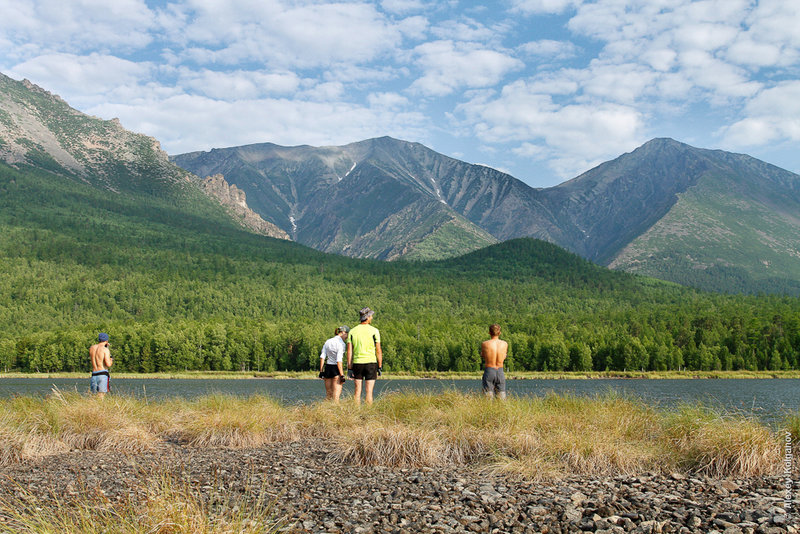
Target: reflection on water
<point>768,399</point>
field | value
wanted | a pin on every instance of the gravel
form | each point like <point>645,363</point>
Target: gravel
<point>311,493</point>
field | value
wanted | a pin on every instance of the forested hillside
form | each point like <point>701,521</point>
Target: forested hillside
<point>178,289</point>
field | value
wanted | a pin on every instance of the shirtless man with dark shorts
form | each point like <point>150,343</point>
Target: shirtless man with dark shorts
<point>101,361</point>
<point>493,352</point>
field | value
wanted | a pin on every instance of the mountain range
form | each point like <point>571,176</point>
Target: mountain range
<point>707,218</point>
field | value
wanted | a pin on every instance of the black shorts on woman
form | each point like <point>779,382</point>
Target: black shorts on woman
<point>331,370</point>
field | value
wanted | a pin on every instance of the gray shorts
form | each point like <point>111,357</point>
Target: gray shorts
<point>99,383</point>
<point>494,382</point>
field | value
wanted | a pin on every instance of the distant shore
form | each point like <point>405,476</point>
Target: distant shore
<point>435,375</point>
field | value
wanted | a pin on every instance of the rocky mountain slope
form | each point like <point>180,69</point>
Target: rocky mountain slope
<point>729,222</point>
<point>380,198</point>
<point>702,217</point>
<point>39,129</point>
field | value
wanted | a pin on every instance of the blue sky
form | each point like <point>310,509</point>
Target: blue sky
<point>542,89</point>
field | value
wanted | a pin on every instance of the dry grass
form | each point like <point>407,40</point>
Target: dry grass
<point>170,507</point>
<point>34,427</point>
<point>231,422</point>
<point>539,438</point>
<point>706,443</point>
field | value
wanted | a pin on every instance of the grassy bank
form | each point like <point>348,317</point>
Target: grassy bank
<point>536,437</point>
<point>436,375</point>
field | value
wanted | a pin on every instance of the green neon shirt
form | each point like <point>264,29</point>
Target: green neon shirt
<point>363,338</point>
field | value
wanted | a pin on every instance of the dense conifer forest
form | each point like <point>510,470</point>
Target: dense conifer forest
<point>179,286</point>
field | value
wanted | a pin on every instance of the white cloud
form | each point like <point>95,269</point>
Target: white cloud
<point>540,7</point>
<point>723,79</point>
<point>414,27</point>
<point>745,51</point>
<point>624,83</point>
<point>82,76</point>
<point>235,85</point>
<point>549,49</point>
<point>463,30</point>
<point>572,136</point>
<point>402,6</point>
<point>293,36</point>
<point>186,123</point>
<point>387,100</point>
<point>772,116</point>
<point>449,66</point>
<point>76,25</point>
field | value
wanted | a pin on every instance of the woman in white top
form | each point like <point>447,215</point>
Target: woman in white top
<point>330,364</point>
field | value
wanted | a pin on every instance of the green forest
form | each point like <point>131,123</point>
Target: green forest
<point>178,286</point>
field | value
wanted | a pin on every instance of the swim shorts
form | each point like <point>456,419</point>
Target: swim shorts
<point>331,371</point>
<point>494,382</point>
<point>367,371</point>
<point>99,382</point>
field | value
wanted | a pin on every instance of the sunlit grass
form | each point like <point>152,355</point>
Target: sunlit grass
<point>169,507</point>
<point>538,437</point>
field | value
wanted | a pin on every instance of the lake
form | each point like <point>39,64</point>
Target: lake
<point>767,399</point>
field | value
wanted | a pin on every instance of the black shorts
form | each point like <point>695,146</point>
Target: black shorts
<point>331,370</point>
<point>367,371</point>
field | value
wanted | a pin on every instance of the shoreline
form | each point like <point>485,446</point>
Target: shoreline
<point>439,463</point>
<point>295,481</point>
<point>433,375</point>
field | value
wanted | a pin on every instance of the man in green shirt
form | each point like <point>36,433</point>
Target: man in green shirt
<point>364,355</point>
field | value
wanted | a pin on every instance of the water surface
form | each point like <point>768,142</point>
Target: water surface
<point>767,399</point>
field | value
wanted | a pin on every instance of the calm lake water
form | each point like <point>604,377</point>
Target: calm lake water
<point>767,399</point>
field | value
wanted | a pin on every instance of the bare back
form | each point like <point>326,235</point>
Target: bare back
<point>100,356</point>
<point>493,352</point>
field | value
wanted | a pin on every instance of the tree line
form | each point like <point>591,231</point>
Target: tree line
<point>699,343</point>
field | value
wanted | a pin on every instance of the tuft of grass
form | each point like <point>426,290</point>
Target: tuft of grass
<point>169,507</point>
<point>705,442</point>
<point>231,422</point>
<point>35,427</point>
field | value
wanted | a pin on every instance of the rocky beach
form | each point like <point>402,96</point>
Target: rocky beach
<point>307,490</point>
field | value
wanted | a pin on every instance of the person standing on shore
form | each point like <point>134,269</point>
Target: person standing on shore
<point>493,352</point>
<point>101,361</point>
<point>364,355</point>
<point>330,364</point>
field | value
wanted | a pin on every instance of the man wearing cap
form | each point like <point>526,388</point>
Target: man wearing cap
<point>364,355</point>
<point>330,364</point>
<point>101,361</point>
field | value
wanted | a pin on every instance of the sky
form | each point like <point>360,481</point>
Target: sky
<point>541,89</point>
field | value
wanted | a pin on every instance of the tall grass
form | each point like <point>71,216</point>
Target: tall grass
<point>544,437</point>
<point>169,507</point>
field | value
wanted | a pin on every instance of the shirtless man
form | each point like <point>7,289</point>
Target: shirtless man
<point>493,352</point>
<point>101,361</point>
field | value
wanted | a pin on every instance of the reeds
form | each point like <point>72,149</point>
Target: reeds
<point>540,437</point>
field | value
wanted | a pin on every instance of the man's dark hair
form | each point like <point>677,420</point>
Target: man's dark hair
<point>494,329</point>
